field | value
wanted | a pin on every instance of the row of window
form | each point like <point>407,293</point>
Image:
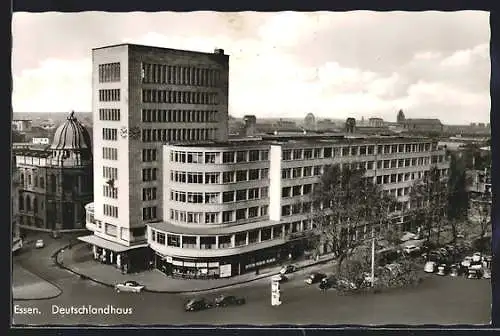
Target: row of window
<point>109,153</point>
<point>109,114</point>
<point>149,155</point>
<point>110,210</point>
<point>110,134</point>
<point>106,95</point>
<point>215,197</point>
<point>149,213</point>
<point>161,116</point>
<point>149,174</point>
<point>110,173</point>
<point>109,191</point>
<point>149,194</point>
<point>245,194</point>
<point>226,241</point>
<point>180,97</point>
<point>109,72</point>
<point>214,157</point>
<point>180,75</point>
<point>37,182</point>
<point>218,217</point>
<point>214,177</point>
<point>355,150</point>
<point>29,204</point>
<point>184,134</point>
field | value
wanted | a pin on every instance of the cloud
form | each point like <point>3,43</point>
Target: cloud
<point>281,64</point>
<point>55,86</point>
<point>465,57</point>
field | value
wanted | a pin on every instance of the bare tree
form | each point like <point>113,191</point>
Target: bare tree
<point>428,201</point>
<point>344,201</point>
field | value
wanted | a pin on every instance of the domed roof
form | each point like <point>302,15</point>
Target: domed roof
<point>71,135</point>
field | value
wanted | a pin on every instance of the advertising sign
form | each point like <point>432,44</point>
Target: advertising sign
<point>225,271</point>
<point>275,292</point>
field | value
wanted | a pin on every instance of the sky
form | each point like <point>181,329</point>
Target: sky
<point>284,64</point>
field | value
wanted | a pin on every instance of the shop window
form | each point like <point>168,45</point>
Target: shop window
<point>207,243</point>
<point>160,238</point>
<point>189,242</point>
<point>253,236</point>
<point>224,241</point>
<point>173,240</point>
<point>241,239</point>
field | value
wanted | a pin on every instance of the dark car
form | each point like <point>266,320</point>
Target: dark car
<point>281,278</point>
<point>314,278</point>
<point>327,283</point>
<point>288,269</point>
<point>229,300</point>
<point>197,304</point>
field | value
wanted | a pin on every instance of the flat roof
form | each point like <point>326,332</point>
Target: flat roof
<point>307,140</point>
<point>109,245</point>
<point>141,46</point>
<point>210,231</point>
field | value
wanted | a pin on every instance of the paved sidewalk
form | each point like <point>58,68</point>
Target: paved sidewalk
<point>28,286</point>
<point>79,260</point>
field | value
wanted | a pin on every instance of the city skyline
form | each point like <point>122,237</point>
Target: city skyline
<point>314,57</point>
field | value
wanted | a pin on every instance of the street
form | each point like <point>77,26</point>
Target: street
<point>438,300</point>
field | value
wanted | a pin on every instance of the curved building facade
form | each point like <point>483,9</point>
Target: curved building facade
<point>229,209</point>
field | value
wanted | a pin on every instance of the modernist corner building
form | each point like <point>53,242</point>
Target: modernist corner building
<point>171,190</point>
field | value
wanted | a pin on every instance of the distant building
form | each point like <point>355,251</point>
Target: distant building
<point>310,121</point>
<point>249,127</point>
<point>350,125</point>
<point>326,125</point>
<point>55,181</point>
<point>480,194</point>
<point>22,125</point>
<point>419,125</point>
<point>376,122</point>
<point>400,117</point>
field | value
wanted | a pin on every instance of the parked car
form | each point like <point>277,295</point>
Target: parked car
<point>288,269</point>
<point>474,273</point>
<point>454,271</point>
<point>466,261</point>
<point>430,267</point>
<point>411,249</point>
<point>129,286</point>
<point>314,278</point>
<point>229,300</point>
<point>39,243</point>
<point>328,282</point>
<point>196,304</point>
<point>442,269</point>
<point>346,284</point>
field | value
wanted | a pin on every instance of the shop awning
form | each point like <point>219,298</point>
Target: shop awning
<point>108,245</point>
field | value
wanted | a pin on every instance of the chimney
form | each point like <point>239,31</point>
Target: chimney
<point>218,51</point>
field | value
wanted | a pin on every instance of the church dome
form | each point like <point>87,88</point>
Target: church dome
<point>71,135</point>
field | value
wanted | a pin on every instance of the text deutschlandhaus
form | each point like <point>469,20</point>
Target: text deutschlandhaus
<point>90,310</point>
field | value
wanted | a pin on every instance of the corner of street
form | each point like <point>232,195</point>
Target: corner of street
<point>78,260</point>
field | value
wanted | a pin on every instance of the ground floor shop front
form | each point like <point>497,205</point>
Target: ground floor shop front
<point>127,259</point>
<point>223,267</point>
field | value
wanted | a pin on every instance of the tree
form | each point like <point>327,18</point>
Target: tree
<point>458,195</point>
<point>481,211</point>
<point>344,201</point>
<point>428,201</point>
